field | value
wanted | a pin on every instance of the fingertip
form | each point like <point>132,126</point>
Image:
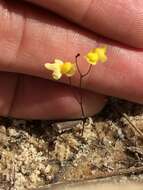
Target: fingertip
<point>53,100</point>
<point>93,103</point>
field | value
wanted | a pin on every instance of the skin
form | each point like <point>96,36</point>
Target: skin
<point>31,36</point>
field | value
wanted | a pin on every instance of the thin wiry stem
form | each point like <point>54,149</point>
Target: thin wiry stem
<point>77,64</point>
<point>80,87</point>
<point>81,104</point>
<point>88,71</point>
<point>89,68</point>
<point>80,101</point>
<point>81,97</point>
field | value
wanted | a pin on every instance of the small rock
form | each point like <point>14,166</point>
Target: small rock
<point>12,132</point>
<point>3,137</point>
<point>65,126</point>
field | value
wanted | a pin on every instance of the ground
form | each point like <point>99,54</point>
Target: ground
<point>34,154</point>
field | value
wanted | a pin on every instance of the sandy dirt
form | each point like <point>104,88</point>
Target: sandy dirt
<point>35,154</point>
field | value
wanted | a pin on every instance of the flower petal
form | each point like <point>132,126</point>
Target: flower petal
<point>92,58</point>
<point>50,66</point>
<point>72,71</point>
<point>56,68</point>
<point>56,74</point>
<point>59,68</point>
<point>102,54</point>
<point>58,61</point>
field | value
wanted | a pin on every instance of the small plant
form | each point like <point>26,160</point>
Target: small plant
<point>59,68</point>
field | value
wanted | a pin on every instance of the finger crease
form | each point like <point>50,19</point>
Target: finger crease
<point>86,11</point>
<point>23,31</point>
<point>14,97</point>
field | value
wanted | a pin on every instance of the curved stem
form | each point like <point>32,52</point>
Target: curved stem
<point>77,64</point>
<point>88,71</point>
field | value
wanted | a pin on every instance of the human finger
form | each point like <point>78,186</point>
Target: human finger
<point>30,97</point>
<point>120,20</point>
<point>31,37</point>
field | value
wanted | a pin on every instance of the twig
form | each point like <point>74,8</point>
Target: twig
<point>129,171</point>
<point>129,121</point>
<point>132,125</point>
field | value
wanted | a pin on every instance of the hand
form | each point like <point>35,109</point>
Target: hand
<point>31,36</point>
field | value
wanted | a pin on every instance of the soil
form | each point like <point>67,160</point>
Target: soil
<point>35,153</point>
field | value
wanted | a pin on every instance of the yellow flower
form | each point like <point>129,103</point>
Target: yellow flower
<point>96,55</point>
<point>60,68</point>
